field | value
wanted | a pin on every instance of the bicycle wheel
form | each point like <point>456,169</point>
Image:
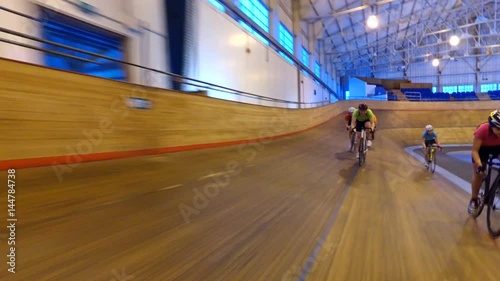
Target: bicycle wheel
<point>361,151</point>
<point>432,165</point>
<point>493,213</point>
<point>483,196</point>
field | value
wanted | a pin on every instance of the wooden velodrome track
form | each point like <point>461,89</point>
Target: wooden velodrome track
<point>296,208</point>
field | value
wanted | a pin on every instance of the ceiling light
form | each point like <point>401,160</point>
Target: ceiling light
<point>435,62</point>
<point>454,40</point>
<point>372,21</point>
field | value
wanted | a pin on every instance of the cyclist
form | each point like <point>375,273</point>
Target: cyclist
<point>348,120</point>
<point>362,117</point>
<point>486,141</point>
<point>429,137</point>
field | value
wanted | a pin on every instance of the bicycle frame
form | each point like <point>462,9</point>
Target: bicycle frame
<point>431,157</point>
<point>431,151</point>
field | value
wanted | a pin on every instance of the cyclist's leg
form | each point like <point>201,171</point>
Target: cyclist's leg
<point>367,126</point>
<point>431,146</point>
<point>352,134</point>
<point>477,180</point>
<point>427,150</point>
<point>426,154</point>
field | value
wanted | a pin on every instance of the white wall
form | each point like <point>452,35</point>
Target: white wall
<point>489,70</point>
<point>19,24</point>
<point>233,58</point>
<point>129,12</point>
<point>285,17</point>
<point>151,46</point>
<point>370,90</point>
<point>307,90</point>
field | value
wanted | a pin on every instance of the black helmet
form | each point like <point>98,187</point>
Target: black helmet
<point>494,118</point>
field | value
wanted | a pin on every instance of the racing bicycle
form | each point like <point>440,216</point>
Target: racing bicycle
<point>362,148</point>
<point>431,157</point>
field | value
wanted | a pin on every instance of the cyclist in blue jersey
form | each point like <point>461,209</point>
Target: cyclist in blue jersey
<point>429,137</point>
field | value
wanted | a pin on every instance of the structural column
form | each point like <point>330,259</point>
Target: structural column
<point>274,19</point>
<point>180,20</point>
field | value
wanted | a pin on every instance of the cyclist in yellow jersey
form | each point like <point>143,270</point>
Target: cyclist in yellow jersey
<point>363,117</point>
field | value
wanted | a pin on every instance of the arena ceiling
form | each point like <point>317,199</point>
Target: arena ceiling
<point>409,31</point>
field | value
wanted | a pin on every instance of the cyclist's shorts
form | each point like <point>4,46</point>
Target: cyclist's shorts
<point>429,142</point>
<point>360,125</point>
<point>485,151</point>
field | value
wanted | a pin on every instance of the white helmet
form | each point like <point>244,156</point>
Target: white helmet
<point>428,128</point>
<point>352,109</point>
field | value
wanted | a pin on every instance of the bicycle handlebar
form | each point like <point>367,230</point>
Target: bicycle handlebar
<point>434,145</point>
<point>354,129</point>
<point>495,166</point>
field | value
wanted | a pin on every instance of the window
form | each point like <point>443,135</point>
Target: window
<point>449,89</point>
<point>465,88</point>
<point>434,89</point>
<point>217,5</point>
<point>488,87</point>
<point>305,57</point>
<point>80,35</point>
<point>286,38</point>
<point>256,11</point>
<point>317,69</point>
<point>259,14</point>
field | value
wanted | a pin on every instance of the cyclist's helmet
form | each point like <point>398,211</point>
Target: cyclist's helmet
<point>428,128</point>
<point>352,109</point>
<point>494,118</point>
<point>363,106</point>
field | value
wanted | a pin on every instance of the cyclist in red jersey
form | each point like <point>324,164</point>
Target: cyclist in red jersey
<point>348,120</point>
<point>486,141</point>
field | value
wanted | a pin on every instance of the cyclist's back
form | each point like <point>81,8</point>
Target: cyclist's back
<point>486,135</point>
<point>360,117</point>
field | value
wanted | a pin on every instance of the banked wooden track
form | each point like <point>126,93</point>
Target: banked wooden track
<point>284,209</point>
